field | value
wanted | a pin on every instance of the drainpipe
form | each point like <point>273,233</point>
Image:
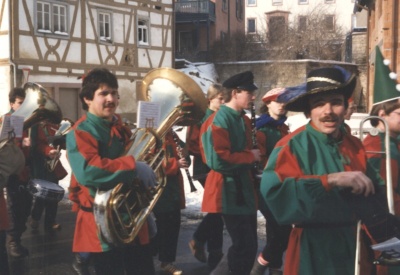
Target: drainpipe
<point>10,27</point>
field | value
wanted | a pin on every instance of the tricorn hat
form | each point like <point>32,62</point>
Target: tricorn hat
<point>332,79</point>
<point>242,81</point>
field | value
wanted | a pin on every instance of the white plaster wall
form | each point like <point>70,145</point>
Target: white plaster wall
<point>4,89</point>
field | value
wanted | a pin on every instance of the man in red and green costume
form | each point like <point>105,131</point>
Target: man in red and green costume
<point>226,147</point>
<point>318,179</point>
<point>387,107</point>
<point>95,148</point>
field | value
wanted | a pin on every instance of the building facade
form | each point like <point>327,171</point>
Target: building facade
<point>199,23</point>
<point>383,31</point>
<point>262,15</point>
<point>55,42</point>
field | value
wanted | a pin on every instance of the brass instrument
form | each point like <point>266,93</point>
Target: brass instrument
<point>389,182</point>
<point>37,106</point>
<point>122,211</point>
<point>64,127</point>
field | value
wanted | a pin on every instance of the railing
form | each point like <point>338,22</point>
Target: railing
<point>200,6</point>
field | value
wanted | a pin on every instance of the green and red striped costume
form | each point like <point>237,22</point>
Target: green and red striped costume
<point>294,185</point>
<point>225,145</point>
<point>95,150</point>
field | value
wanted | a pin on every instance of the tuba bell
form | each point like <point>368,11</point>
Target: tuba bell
<point>121,212</point>
<point>38,106</point>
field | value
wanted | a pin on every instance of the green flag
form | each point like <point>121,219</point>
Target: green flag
<point>385,88</point>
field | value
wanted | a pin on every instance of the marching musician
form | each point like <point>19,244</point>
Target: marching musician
<point>226,147</point>
<point>12,161</point>
<point>318,179</point>
<point>42,152</point>
<point>168,208</point>
<point>271,126</point>
<point>95,148</point>
<point>19,200</point>
<point>210,230</point>
<point>386,105</point>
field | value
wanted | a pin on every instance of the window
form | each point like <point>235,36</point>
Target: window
<point>105,30</point>
<point>302,23</point>
<point>277,2</point>
<point>276,28</point>
<point>224,5</point>
<point>51,18</point>
<point>251,25</point>
<point>251,3</point>
<point>239,10</point>
<point>329,22</point>
<point>303,2</point>
<point>143,32</point>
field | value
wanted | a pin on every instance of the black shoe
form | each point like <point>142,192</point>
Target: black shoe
<point>16,250</point>
<point>388,258</point>
<point>80,265</point>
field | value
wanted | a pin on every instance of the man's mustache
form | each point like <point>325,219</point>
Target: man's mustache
<point>329,118</point>
<point>109,105</point>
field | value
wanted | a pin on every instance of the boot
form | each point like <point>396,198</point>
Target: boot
<point>15,249</point>
<point>81,265</point>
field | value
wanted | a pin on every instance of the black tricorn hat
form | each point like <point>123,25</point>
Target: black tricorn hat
<point>333,79</point>
<point>242,81</point>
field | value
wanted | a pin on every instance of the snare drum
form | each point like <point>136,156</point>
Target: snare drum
<point>46,190</point>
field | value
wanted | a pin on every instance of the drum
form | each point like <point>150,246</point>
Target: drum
<point>46,190</point>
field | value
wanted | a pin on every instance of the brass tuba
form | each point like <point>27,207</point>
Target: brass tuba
<point>37,106</point>
<point>121,212</point>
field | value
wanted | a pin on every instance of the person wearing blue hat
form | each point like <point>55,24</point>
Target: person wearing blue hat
<point>319,180</point>
<point>226,147</point>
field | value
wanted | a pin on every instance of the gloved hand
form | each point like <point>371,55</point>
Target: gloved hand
<point>145,174</point>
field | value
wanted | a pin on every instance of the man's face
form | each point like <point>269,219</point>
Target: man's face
<point>243,99</point>
<point>104,103</point>
<point>327,112</point>
<point>17,103</point>
<point>276,109</point>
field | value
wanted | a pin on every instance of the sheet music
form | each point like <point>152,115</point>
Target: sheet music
<point>391,245</point>
<point>148,115</point>
<point>17,122</point>
<point>11,124</point>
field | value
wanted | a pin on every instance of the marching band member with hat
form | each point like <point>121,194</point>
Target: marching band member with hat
<point>226,147</point>
<point>318,179</point>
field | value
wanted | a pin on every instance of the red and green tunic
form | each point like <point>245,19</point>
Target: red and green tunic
<point>294,185</point>
<point>95,147</point>
<point>225,146</point>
